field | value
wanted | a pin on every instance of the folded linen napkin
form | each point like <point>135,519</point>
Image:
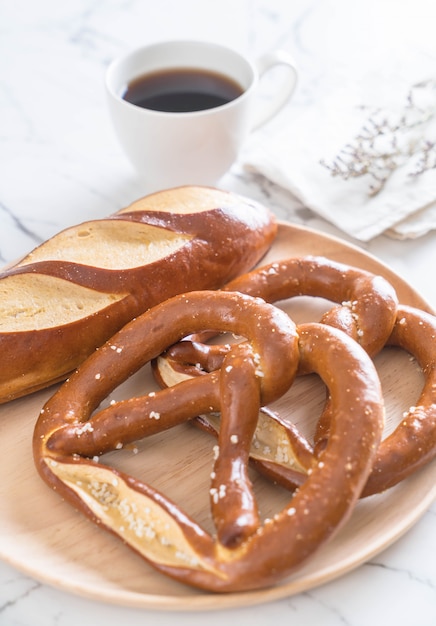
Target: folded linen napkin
<point>321,156</point>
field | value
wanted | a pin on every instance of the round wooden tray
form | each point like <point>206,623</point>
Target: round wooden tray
<point>44,537</point>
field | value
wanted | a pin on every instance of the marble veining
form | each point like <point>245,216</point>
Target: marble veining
<point>60,164</point>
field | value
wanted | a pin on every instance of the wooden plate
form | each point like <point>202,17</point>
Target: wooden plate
<point>44,537</point>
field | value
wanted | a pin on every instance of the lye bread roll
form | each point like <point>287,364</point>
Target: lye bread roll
<point>73,292</point>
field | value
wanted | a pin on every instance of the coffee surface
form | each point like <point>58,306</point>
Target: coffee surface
<point>181,90</point>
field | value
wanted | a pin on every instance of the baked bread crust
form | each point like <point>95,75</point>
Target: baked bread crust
<point>72,293</point>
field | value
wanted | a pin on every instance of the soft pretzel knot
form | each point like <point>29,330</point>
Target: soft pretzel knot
<point>247,552</point>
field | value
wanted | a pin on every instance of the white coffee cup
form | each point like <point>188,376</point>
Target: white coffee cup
<point>197,147</point>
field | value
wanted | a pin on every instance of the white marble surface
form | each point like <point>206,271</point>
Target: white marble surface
<point>60,164</point>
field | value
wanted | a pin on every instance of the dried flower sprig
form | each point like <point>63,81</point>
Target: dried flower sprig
<point>390,140</point>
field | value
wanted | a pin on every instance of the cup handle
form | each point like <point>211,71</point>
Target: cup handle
<point>264,63</point>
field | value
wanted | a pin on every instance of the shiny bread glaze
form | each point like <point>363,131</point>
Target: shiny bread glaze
<point>220,236</point>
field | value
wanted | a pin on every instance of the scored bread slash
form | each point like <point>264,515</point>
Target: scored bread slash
<point>68,296</point>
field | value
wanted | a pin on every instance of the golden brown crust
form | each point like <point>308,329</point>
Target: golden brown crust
<point>413,442</point>
<point>258,370</point>
<point>221,235</point>
<point>366,303</point>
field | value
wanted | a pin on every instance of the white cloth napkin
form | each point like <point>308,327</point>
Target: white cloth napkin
<point>291,157</point>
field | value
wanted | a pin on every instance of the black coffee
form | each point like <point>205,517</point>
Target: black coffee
<point>181,90</point>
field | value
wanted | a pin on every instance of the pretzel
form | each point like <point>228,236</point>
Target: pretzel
<point>247,553</point>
